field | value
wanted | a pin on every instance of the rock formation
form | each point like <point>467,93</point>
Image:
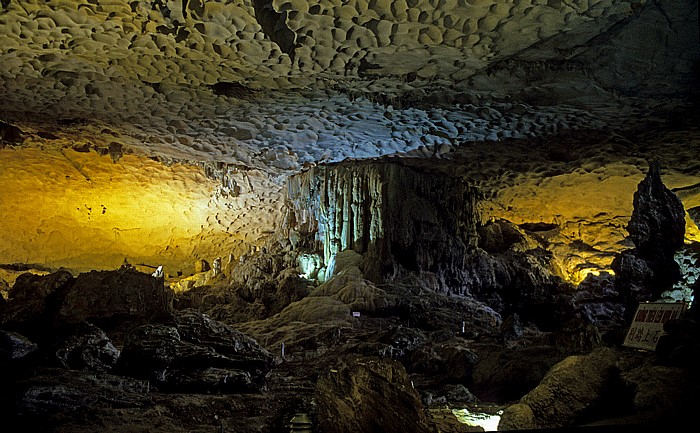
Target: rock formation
<point>369,394</point>
<point>657,229</point>
<point>401,218</point>
<point>345,214</point>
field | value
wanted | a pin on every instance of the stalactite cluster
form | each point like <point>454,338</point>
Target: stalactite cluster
<point>400,217</point>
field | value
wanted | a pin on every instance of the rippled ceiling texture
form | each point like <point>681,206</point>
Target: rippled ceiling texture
<point>163,132</point>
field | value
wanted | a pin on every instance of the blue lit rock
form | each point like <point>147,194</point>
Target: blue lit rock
<point>401,218</point>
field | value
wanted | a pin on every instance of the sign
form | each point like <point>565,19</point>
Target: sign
<point>648,323</point>
<point>355,314</point>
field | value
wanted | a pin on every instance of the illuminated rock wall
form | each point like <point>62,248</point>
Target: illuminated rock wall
<point>271,87</point>
<point>402,218</point>
<point>83,210</point>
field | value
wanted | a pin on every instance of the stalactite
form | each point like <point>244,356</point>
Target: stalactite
<point>402,218</point>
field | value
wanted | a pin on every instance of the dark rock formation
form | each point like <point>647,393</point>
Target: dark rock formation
<point>657,225</point>
<point>597,301</point>
<point>514,282</point>
<point>662,392</point>
<point>200,329</point>
<point>61,393</point>
<point>657,229</point>
<point>500,236</point>
<point>194,354</point>
<point>14,348</point>
<point>369,394</point>
<point>506,374</point>
<point>110,298</point>
<point>679,346</point>
<point>577,336</point>
<point>10,135</point>
<point>568,394</point>
<point>449,361</point>
<point>88,348</point>
<point>34,301</point>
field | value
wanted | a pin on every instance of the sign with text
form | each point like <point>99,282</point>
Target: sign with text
<point>648,323</point>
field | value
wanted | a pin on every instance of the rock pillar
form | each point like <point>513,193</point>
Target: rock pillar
<point>400,216</point>
<point>657,229</point>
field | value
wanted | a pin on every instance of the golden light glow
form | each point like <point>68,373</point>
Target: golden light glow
<point>577,276</point>
<point>83,211</point>
<point>692,232</point>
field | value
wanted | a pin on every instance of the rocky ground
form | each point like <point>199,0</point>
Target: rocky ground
<point>119,351</point>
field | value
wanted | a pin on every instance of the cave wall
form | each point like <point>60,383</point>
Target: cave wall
<point>87,209</point>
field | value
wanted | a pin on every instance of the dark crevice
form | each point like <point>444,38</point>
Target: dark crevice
<point>274,26</point>
<point>10,134</point>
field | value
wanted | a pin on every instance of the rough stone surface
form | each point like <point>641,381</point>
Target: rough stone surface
<point>195,354</point>
<point>87,348</point>
<point>657,229</point>
<point>34,301</point>
<point>113,296</point>
<point>369,394</point>
<point>657,224</point>
<point>517,416</point>
<point>654,386</point>
<point>14,347</point>
<point>570,390</point>
<point>200,329</point>
<point>506,375</point>
<point>66,392</point>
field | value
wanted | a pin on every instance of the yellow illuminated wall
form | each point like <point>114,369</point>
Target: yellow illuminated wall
<point>591,207</point>
<point>60,207</point>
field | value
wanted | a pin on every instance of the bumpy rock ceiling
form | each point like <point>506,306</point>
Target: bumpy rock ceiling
<point>163,131</point>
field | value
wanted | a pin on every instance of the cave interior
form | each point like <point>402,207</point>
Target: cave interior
<point>364,215</point>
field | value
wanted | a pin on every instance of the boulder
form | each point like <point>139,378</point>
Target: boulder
<point>517,416</point>
<point>195,354</point>
<point>679,345</point>
<point>506,374</point>
<point>110,298</point>
<point>633,279</point>
<point>369,394</point>
<point>198,328</point>
<point>450,361</point>
<point>499,236</point>
<point>14,348</point>
<point>87,348</point>
<point>34,301</point>
<point>662,392</point>
<point>570,392</point>
<point>60,392</point>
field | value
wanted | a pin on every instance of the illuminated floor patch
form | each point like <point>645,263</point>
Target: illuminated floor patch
<point>489,422</point>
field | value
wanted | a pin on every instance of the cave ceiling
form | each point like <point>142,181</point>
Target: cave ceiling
<point>195,112</point>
